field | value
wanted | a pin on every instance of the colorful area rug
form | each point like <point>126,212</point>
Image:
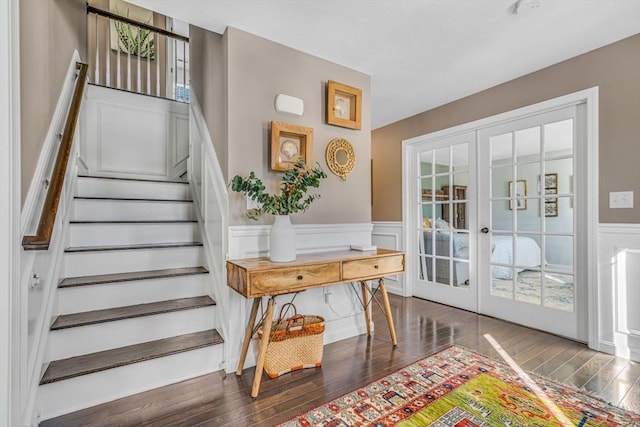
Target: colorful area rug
<point>460,388</point>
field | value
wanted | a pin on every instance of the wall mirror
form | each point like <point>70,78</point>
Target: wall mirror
<point>341,158</point>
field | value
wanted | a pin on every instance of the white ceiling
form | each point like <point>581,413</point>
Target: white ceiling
<point>421,53</point>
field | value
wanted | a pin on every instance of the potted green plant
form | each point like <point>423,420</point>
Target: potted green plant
<point>291,199</point>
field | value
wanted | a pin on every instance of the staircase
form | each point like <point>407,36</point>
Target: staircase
<point>134,310</point>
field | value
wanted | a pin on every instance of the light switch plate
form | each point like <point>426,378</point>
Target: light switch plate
<point>620,199</point>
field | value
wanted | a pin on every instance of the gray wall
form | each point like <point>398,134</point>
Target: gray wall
<point>614,68</point>
<point>256,71</point>
<point>49,33</point>
<point>208,70</point>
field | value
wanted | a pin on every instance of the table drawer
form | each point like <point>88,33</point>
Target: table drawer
<point>372,267</point>
<point>284,280</point>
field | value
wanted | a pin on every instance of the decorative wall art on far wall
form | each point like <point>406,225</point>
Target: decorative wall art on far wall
<point>550,189</point>
<point>341,157</point>
<point>289,143</point>
<point>344,105</point>
<point>127,38</point>
<point>520,191</point>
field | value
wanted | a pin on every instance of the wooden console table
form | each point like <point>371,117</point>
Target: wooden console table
<point>259,277</point>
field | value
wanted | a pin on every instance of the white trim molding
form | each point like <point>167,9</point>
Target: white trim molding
<point>211,204</point>
<point>12,324</point>
<point>616,314</point>
<point>250,241</point>
<point>388,234</point>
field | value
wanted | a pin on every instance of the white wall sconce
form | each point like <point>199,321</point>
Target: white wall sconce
<point>289,104</point>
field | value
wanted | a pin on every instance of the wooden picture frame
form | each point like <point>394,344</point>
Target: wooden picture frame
<point>521,191</point>
<point>289,143</point>
<point>550,189</point>
<point>344,105</point>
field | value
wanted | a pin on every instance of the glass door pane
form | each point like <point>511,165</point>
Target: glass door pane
<point>444,221</point>
<point>526,203</point>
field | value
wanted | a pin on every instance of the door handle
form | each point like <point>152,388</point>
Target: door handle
<point>484,230</point>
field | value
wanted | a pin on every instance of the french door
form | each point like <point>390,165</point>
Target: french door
<point>529,175</point>
<point>496,220</point>
<point>445,212</point>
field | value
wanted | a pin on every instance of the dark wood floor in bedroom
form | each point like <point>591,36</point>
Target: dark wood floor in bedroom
<point>423,328</point>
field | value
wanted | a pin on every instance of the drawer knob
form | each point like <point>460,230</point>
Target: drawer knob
<point>375,266</point>
<point>300,277</point>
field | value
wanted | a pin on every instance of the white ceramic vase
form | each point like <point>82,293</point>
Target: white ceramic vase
<point>282,240</point>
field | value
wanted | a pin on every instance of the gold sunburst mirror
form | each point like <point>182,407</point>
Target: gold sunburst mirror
<point>340,156</point>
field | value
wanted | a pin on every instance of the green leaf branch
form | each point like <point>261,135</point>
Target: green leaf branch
<point>293,195</point>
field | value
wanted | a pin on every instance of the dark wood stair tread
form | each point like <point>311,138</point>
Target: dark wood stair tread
<point>63,369</point>
<point>115,178</point>
<point>133,199</point>
<point>127,312</point>
<point>132,247</point>
<point>70,282</point>
<point>142,221</point>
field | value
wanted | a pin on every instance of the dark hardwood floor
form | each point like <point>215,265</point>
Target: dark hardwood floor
<point>423,328</point>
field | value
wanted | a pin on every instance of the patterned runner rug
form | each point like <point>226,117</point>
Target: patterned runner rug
<point>457,387</point>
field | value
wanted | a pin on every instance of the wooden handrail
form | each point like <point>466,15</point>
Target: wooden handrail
<point>107,14</point>
<point>42,239</point>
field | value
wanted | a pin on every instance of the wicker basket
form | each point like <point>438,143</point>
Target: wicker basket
<point>295,343</point>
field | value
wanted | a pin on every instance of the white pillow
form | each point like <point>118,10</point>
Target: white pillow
<point>442,224</point>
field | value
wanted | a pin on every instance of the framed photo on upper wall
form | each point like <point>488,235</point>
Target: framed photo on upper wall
<point>344,105</point>
<point>290,143</point>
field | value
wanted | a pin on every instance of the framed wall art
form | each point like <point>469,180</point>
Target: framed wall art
<point>344,105</point>
<point>550,189</point>
<point>289,143</point>
<point>520,191</point>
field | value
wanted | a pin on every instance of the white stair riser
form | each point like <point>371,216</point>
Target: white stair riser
<point>131,234</point>
<point>118,294</point>
<point>131,210</point>
<point>125,261</point>
<point>72,342</point>
<point>102,187</point>
<point>70,395</point>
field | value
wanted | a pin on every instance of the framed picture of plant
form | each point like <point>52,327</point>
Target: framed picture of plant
<point>128,38</point>
<point>290,143</point>
<point>344,105</point>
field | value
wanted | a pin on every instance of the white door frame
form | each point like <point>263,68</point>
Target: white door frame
<point>588,97</point>
<point>11,324</point>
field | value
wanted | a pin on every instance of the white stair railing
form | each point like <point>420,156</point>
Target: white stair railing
<point>131,55</point>
<point>211,204</point>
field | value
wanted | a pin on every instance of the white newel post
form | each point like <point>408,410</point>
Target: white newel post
<point>282,240</point>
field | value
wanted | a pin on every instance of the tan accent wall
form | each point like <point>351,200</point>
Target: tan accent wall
<point>49,33</point>
<point>208,71</point>
<point>256,71</point>
<point>614,68</point>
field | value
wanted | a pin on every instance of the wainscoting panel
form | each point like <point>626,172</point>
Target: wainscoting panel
<point>388,234</point>
<point>115,145</point>
<point>124,147</point>
<point>618,293</point>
